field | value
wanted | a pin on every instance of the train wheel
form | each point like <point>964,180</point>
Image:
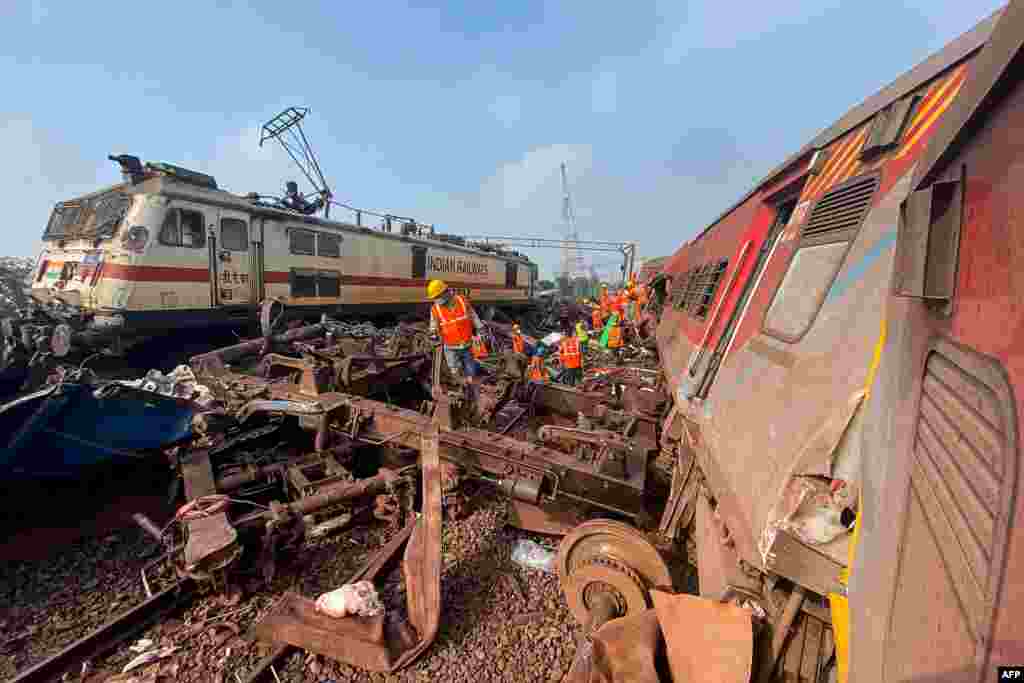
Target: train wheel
<point>606,569</point>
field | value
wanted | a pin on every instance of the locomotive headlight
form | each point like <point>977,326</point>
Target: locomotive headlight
<point>135,238</point>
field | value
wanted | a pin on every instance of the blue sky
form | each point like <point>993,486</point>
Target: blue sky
<point>454,113</point>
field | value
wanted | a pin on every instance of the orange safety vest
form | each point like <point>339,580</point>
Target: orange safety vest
<point>615,337</point>
<point>517,343</point>
<point>606,303</point>
<point>597,317</point>
<point>479,348</point>
<point>569,352</point>
<point>642,295</point>
<point>456,326</point>
<point>536,369</point>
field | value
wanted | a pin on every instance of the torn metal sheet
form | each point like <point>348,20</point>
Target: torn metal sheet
<point>705,640</point>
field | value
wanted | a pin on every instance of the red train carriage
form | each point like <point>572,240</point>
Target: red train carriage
<point>844,343</point>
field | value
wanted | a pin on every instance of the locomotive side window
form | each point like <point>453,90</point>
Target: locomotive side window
<point>302,242</point>
<point>511,273</point>
<point>328,283</point>
<point>234,234</point>
<point>419,262</point>
<point>328,245</point>
<point>306,282</point>
<point>183,228</point>
<point>303,282</point>
<point>824,240</point>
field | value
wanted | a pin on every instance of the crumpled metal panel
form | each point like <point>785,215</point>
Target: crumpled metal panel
<point>624,650</point>
<point>706,640</point>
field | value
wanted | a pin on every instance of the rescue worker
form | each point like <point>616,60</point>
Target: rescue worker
<point>605,302</point>
<point>537,371</point>
<point>455,321</point>
<point>581,333</point>
<point>641,297</point>
<point>596,318</point>
<point>296,202</point>
<point>570,356</point>
<point>615,337</point>
<point>518,344</point>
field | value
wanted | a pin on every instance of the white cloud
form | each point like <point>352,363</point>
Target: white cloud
<point>533,181</point>
<point>718,25</point>
<point>604,92</point>
<point>507,109</point>
<point>38,11</point>
<point>40,170</point>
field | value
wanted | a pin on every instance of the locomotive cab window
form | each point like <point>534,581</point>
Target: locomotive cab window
<point>234,234</point>
<point>824,240</point>
<point>328,245</point>
<point>302,242</point>
<point>183,228</point>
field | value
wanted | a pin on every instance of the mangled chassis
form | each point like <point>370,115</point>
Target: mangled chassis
<point>604,471</point>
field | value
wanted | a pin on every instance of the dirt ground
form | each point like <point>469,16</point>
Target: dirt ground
<point>499,621</point>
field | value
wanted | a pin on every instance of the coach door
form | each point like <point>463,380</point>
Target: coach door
<point>234,256</point>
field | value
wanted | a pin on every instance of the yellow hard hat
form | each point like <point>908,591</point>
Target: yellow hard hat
<point>436,288</point>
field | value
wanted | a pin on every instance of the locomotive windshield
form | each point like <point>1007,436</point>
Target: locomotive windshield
<point>95,217</point>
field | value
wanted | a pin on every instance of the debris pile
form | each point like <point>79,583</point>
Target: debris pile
<point>344,494</point>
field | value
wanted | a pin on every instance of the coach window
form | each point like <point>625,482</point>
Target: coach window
<point>328,245</point>
<point>328,283</point>
<point>303,282</point>
<point>824,241</point>
<point>183,228</point>
<point>302,242</point>
<point>234,234</point>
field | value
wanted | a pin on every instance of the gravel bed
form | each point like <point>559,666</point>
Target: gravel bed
<point>499,621</point>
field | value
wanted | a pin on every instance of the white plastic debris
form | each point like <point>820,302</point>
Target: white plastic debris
<point>552,339</point>
<point>353,599</point>
<point>180,382</point>
<point>141,646</point>
<point>532,555</point>
<point>149,657</point>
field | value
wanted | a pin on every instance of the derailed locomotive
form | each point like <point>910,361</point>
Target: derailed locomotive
<point>168,250</point>
<point>843,347</point>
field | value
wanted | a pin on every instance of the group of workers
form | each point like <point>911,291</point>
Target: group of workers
<point>455,324</point>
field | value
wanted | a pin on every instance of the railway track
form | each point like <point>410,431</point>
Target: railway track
<point>106,638</point>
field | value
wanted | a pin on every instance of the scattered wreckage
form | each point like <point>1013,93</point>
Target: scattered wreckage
<point>302,433</point>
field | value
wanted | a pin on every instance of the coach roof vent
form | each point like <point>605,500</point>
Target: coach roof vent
<point>841,210</point>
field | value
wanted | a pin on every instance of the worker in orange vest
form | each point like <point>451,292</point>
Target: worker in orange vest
<point>619,302</point>
<point>571,357</point>
<point>596,318</point>
<point>518,344</point>
<point>457,323</point>
<point>537,372</point>
<point>615,337</point>
<point>605,302</point>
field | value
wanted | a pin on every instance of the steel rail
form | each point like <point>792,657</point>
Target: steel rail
<point>108,636</point>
